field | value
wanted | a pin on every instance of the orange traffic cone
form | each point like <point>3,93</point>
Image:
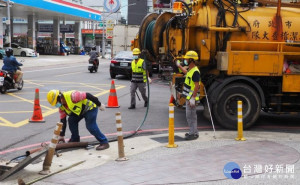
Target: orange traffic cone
<point>172,99</point>
<point>37,111</point>
<point>112,99</point>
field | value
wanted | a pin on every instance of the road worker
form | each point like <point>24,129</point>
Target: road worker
<point>78,105</point>
<point>139,78</point>
<point>190,92</point>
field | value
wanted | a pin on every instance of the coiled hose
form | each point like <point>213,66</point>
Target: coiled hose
<point>147,46</point>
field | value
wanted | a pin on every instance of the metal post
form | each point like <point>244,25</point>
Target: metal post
<point>51,150</point>
<point>171,127</point>
<point>93,23</point>
<point>8,23</point>
<point>120,138</point>
<point>240,122</point>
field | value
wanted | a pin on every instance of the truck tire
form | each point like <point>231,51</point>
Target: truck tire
<point>225,109</point>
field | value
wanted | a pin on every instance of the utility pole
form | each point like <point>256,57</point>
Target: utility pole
<point>103,39</point>
<point>8,23</point>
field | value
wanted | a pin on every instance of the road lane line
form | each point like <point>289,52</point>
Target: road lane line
<point>92,87</point>
<point>107,91</point>
<point>59,68</point>
<point>29,101</point>
<point>14,112</point>
<point>28,81</point>
<point>24,122</point>
<point>68,74</point>
<point>5,122</point>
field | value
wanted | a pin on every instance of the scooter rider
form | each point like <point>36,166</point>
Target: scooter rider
<point>94,55</point>
<point>11,65</point>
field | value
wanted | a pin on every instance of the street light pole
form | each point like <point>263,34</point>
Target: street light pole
<point>104,23</point>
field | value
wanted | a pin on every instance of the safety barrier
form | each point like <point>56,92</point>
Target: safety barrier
<point>120,138</point>
<point>51,150</point>
<point>240,122</point>
<point>171,127</point>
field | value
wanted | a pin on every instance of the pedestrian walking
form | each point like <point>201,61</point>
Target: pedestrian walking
<point>78,105</point>
<point>139,78</point>
<point>191,92</point>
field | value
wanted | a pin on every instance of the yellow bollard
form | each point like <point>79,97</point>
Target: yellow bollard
<point>240,122</point>
<point>171,127</point>
<point>51,150</point>
<point>120,138</point>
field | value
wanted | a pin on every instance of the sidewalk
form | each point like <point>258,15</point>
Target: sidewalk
<point>193,162</point>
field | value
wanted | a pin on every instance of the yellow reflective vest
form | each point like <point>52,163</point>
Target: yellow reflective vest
<point>76,108</point>
<point>189,84</point>
<point>138,73</point>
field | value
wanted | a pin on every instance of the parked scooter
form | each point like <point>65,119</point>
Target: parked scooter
<point>7,81</point>
<point>93,65</point>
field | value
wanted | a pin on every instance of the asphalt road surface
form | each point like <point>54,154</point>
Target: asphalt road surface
<point>71,73</point>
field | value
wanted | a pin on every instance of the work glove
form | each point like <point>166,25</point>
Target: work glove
<point>149,80</point>
<point>192,102</point>
<point>177,63</point>
<point>102,107</point>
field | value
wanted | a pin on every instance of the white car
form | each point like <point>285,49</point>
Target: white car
<point>18,50</point>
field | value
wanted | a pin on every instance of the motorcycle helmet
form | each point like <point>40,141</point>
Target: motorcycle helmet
<point>9,52</point>
<point>94,48</point>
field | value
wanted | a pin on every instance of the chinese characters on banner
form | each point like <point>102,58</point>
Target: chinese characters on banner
<point>269,171</point>
<point>109,28</point>
<point>267,30</point>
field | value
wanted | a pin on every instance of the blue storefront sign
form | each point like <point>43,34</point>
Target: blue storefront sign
<point>64,7</point>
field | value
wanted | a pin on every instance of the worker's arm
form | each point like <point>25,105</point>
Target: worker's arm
<point>184,70</point>
<point>94,99</point>
<point>78,96</point>
<point>197,86</point>
<point>196,79</point>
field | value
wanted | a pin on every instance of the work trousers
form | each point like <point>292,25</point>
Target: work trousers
<point>191,118</point>
<point>90,123</point>
<point>142,89</point>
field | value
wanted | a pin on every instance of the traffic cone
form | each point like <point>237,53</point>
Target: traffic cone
<point>172,99</point>
<point>112,99</point>
<point>37,111</point>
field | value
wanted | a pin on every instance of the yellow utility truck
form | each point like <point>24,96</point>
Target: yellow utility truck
<point>248,51</point>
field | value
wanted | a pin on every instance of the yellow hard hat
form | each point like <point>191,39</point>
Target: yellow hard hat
<point>191,54</point>
<point>136,51</point>
<point>52,97</point>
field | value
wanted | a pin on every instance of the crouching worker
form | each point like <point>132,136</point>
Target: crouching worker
<point>78,105</point>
